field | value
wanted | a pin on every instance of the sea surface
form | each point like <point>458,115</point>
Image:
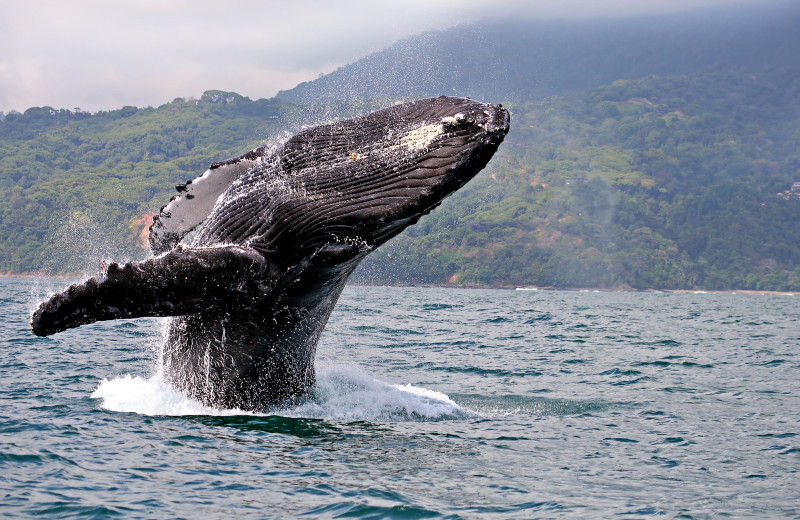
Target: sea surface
<point>431,403</point>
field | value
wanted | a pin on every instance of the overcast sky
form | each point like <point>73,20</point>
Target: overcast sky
<point>101,54</point>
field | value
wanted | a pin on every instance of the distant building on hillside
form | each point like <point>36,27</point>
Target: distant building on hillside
<point>792,193</point>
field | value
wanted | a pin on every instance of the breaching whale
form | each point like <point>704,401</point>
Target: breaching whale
<point>254,253</point>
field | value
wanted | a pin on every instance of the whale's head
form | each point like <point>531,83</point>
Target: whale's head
<point>412,157</point>
<point>363,180</point>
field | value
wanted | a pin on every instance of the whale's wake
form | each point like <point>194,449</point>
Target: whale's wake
<point>342,393</point>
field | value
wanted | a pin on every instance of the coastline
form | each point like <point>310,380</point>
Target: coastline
<point>670,291</point>
<point>737,291</point>
<point>39,275</point>
<point>535,288</point>
<point>500,287</point>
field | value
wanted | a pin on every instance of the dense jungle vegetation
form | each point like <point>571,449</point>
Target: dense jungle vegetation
<point>76,187</point>
<point>654,164</point>
<point>661,182</point>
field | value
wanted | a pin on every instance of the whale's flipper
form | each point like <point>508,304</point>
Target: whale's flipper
<point>196,199</point>
<point>184,281</point>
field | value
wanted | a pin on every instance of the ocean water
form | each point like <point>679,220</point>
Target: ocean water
<point>431,403</point>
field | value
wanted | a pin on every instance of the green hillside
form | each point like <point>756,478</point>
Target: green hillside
<point>643,153</point>
<point>78,186</point>
<point>662,182</point>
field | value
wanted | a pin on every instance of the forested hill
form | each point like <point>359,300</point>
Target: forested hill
<point>522,60</point>
<point>660,182</point>
<point>625,174</point>
<point>78,187</point>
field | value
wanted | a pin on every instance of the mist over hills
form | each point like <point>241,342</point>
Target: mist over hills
<point>526,60</point>
<point>645,152</point>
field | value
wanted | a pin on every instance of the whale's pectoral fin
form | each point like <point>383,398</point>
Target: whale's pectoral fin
<point>183,281</point>
<point>196,198</point>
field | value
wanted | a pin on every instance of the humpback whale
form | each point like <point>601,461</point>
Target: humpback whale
<point>253,254</point>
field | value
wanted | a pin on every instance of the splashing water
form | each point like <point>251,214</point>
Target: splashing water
<point>346,393</point>
<point>341,393</point>
<point>134,394</point>
<point>81,239</point>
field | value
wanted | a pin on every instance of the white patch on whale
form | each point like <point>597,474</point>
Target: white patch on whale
<point>420,137</point>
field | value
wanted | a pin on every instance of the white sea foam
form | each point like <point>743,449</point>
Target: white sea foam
<point>134,394</point>
<point>341,393</point>
<point>346,393</point>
